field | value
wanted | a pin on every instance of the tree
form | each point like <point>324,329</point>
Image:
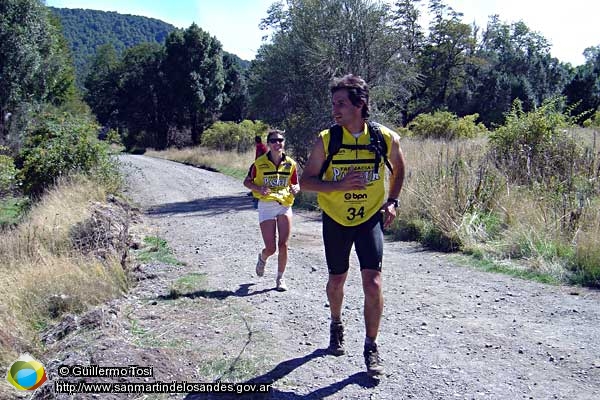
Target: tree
<point>193,70</point>
<point>516,65</point>
<point>583,91</point>
<point>314,41</point>
<point>102,85</point>
<point>442,60</point>
<point>140,96</point>
<point>235,102</point>
<point>34,63</point>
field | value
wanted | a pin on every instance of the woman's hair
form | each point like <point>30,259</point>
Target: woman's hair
<point>358,91</point>
<point>273,132</point>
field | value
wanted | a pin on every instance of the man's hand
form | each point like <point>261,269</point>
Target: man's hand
<point>389,211</point>
<point>354,180</point>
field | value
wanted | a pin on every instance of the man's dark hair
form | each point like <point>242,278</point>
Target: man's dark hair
<point>358,91</point>
<point>257,139</point>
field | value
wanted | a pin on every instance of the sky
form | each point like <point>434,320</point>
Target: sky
<point>570,26</point>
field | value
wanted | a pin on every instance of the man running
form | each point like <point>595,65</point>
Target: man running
<point>351,193</point>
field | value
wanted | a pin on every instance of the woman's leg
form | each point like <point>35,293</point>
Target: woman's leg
<point>267,228</point>
<point>284,227</point>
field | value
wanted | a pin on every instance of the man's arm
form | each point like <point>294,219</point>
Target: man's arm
<point>396,180</point>
<point>398,164</point>
<point>310,182</point>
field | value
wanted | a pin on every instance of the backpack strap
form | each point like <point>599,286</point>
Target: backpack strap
<point>335,143</point>
<point>377,145</point>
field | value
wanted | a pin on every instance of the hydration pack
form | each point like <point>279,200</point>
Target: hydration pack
<point>377,145</point>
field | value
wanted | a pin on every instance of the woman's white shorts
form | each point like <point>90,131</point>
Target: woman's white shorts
<point>271,210</point>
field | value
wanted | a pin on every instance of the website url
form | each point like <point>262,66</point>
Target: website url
<point>160,387</point>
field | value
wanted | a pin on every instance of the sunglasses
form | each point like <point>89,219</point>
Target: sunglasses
<point>276,140</point>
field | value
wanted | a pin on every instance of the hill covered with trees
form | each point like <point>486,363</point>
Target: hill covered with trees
<point>87,30</point>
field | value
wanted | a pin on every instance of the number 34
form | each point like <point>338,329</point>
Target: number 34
<point>353,213</point>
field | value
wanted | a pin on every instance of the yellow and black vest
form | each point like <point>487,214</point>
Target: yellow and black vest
<point>354,207</point>
<point>276,178</point>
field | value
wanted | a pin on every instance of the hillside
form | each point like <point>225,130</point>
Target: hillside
<point>86,30</point>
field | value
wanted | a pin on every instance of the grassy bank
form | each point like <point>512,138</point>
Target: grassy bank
<point>46,268</point>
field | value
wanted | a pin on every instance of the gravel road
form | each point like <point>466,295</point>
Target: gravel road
<point>448,332</point>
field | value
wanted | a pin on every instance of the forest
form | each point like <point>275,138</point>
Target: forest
<point>412,69</point>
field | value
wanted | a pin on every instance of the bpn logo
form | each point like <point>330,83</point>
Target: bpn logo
<point>26,373</point>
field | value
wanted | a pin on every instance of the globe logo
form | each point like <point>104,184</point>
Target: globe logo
<point>26,373</point>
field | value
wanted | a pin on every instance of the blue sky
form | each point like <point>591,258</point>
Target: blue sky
<point>571,26</point>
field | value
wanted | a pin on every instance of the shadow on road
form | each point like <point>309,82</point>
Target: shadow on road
<point>242,291</point>
<point>207,206</point>
<point>285,368</point>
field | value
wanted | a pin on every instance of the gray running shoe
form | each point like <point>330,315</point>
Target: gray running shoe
<point>260,266</point>
<point>372,361</point>
<point>336,339</point>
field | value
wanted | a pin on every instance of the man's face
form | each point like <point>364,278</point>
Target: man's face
<point>344,112</point>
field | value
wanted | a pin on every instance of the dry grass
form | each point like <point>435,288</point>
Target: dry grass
<point>453,195</point>
<point>227,162</point>
<point>42,276</point>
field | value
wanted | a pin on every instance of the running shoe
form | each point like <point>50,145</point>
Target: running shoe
<point>372,361</point>
<point>336,339</point>
<point>281,286</point>
<point>260,266</point>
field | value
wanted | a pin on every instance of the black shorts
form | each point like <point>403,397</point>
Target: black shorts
<point>366,237</point>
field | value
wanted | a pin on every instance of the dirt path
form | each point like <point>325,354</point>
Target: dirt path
<point>448,332</point>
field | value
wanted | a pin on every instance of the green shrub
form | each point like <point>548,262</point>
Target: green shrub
<point>60,144</point>
<point>113,137</point>
<point>231,136</point>
<point>594,121</point>
<point>445,125</point>
<point>8,173</point>
<point>534,147</point>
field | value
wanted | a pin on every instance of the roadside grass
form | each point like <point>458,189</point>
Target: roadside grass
<point>156,249</point>
<point>505,268</point>
<point>146,338</point>
<point>455,199</point>
<point>191,283</point>
<point>230,163</point>
<point>43,275</point>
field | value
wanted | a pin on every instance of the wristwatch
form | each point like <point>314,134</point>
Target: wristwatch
<point>395,201</point>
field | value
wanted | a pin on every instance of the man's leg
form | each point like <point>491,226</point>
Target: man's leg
<point>335,295</point>
<point>371,280</point>
<point>369,248</point>
<point>338,243</point>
